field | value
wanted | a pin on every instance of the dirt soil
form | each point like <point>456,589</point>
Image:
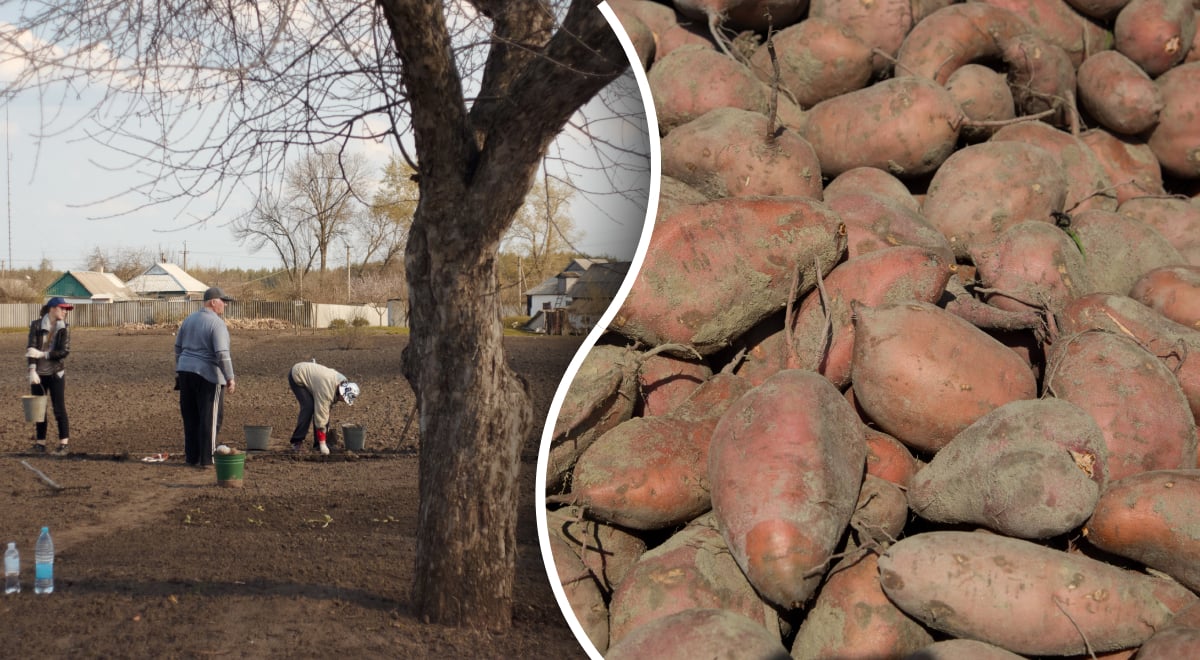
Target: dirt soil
<point>312,557</point>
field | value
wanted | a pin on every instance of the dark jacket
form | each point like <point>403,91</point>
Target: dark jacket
<point>59,347</point>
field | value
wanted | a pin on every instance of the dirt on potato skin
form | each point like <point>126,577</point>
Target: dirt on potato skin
<point>312,557</point>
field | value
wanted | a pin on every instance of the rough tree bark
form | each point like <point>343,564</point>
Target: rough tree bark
<point>476,166</point>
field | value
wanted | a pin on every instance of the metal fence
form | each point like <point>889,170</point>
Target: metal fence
<point>298,313</point>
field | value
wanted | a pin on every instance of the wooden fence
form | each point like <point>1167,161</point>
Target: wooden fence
<point>298,313</point>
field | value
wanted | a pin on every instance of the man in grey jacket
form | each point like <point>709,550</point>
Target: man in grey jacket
<point>204,373</point>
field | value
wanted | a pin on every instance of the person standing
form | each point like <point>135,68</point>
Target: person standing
<point>49,344</point>
<point>317,388</point>
<point>203,375</point>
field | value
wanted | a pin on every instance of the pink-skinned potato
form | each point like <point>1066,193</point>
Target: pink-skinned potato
<point>871,181</point>
<point>956,35</point>
<point>665,381</point>
<point>923,374</point>
<point>817,58</point>
<point>1178,220</point>
<point>881,25</point>
<point>745,253</point>
<point>1176,138</point>
<point>1118,93</point>
<point>983,189</point>
<point>1032,265</point>
<point>582,592</point>
<point>1030,469</point>
<point>1155,34</point>
<point>1152,518</point>
<point>852,618</point>
<point>700,632</point>
<point>876,221</point>
<point>785,481</point>
<point>1024,597</point>
<point>691,569</point>
<point>1088,183</point>
<point>823,334</point>
<point>731,152</point>
<point>1134,398</point>
<point>1173,291</point>
<point>609,552</point>
<point>1176,346</point>
<point>908,126</point>
<point>1131,165</point>
<point>1179,639</point>
<point>1119,249</point>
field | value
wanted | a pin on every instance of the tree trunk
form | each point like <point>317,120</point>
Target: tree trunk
<point>466,545</point>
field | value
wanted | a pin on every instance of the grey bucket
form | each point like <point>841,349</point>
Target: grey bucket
<point>354,436</point>
<point>35,407</point>
<point>257,437</point>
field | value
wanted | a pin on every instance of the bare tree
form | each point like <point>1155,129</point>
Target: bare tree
<point>323,187</point>
<point>383,230</point>
<point>285,229</point>
<point>126,263</point>
<point>543,226</point>
<point>216,93</point>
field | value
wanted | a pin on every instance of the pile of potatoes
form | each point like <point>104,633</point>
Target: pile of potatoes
<point>911,368</point>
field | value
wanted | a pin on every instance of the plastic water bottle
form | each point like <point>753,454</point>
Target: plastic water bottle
<point>43,556</point>
<point>12,569</point>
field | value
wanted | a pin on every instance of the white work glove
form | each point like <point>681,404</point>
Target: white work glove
<point>33,377</point>
<point>35,353</point>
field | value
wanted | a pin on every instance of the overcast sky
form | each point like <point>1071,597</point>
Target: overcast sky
<point>62,198</point>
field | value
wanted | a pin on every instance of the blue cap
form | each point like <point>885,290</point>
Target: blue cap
<point>59,301</point>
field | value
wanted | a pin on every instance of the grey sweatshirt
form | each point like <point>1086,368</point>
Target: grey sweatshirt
<point>202,347</point>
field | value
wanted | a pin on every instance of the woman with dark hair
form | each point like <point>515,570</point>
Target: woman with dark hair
<point>49,344</point>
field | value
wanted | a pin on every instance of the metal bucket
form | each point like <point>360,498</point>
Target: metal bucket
<point>354,436</point>
<point>35,407</point>
<point>257,437</point>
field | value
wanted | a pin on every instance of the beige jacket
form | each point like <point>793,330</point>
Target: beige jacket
<point>323,383</point>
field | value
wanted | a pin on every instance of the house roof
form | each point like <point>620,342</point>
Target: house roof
<point>166,278</point>
<point>597,287</point>
<point>82,284</point>
<point>563,283</point>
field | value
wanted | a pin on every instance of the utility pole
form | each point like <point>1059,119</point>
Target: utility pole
<point>185,255</point>
<point>8,174</point>
<point>347,272</point>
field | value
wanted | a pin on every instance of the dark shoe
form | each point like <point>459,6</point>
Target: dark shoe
<point>297,448</point>
<point>39,447</point>
<point>62,450</point>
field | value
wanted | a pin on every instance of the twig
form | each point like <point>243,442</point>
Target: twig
<point>49,482</point>
<point>1086,644</point>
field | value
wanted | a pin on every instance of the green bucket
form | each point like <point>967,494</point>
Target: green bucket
<point>354,436</point>
<point>230,469</point>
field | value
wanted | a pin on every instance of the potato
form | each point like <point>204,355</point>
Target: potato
<point>666,381</point>
<point>983,189</point>
<point>1118,93</point>
<point>877,222</point>
<point>744,252</point>
<point>1155,34</point>
<point>785,481</point>
<point>693,80</point>
<point>984,96</point>
<point>1030,469</point>
<point>1151,518</point>
<point>1179,639</point>
<point>1131,165</point>
<point>754,157</point>
<point>909,378</point>
<point>1023,597</point>
<point>853,618</point>
<point>1176,138</point>
<point>1119,249</point>
<point>907,126</point>
<point>609,552</point>
<point>818,59</point>
<point>1176,219</point>
<point>691,569</point>
<point>1173,291</point>
<point>697,632</point>
<point>1032,265</point>
<point>954,36</point>
<point>582,592</point>
<point>871,181</point>
<point>1088,184</point>
<point>1137,401</point>
<point>823,334</point>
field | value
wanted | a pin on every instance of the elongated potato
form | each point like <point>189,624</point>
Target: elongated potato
<point>1173,291</point>
<point>743,252</point>
<point>1024,597</point>
<point>907,126</point>
<point>785,480</point>
<point>1152,518</point>
<point>696,633</point>
<point>912,376</point>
